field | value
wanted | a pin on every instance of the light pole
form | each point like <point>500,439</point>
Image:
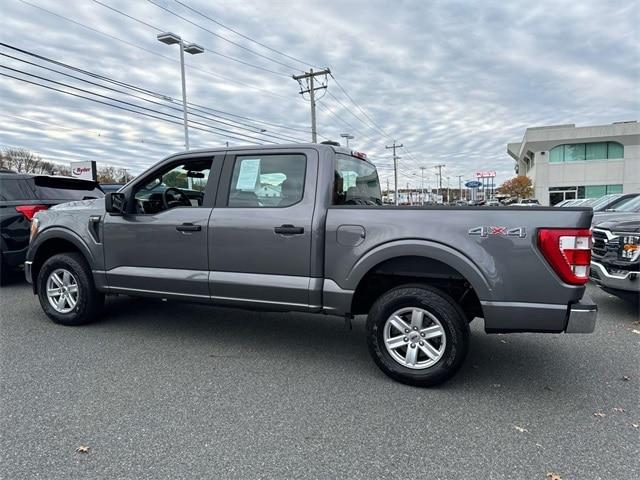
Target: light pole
<point>348,137</point>
<point>169,38</point>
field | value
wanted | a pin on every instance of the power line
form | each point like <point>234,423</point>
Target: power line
<point>246,37</point>
<point>192,67</point>
<point>130,103</point>
<point>99,134</point>
<point>48,87</point>
<point>132,87</point>
<point>220,36</point>
<point>209,49</point>
<point>207,117</point>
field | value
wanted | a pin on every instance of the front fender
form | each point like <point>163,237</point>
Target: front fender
<point>33,263</point>
<point>420,248</point>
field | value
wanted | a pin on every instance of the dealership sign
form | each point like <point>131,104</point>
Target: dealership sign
<point>473,184</point>
<point>485,174</point>
<point>84,170</point>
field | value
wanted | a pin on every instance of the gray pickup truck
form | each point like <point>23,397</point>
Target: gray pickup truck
<point>302,228</point>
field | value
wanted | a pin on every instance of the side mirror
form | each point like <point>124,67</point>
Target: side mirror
<point>114,203</point>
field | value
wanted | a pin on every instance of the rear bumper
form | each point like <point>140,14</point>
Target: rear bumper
<point>506,317</point>
<point>628,281</point>
<point>582,316</point>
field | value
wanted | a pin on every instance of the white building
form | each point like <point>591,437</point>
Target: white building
<point>565,161</point>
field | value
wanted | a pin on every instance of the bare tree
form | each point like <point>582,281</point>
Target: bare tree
<point>111,174</point>
<point>22,160</point>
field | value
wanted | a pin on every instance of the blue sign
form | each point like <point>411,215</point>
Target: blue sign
<point>473,184</point>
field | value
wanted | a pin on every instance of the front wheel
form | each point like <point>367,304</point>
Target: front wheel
<point>66,290</point>
<point>417,335</point>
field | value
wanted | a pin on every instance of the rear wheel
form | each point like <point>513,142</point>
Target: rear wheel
<point>66,290</point>
<point>417,335</point>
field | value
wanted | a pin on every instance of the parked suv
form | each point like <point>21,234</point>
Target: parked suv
<point>302,228</point>
<point>21,197</point>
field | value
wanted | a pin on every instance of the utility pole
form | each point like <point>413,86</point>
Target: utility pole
<point>448,191</point>
<point>439,167</point>
<point>460,187</point>
<point>422,185</point>
<point>395,168</point>
<point>311,90</point>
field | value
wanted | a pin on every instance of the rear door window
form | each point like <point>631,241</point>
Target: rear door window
<point>267,180</point>
<point>69,189</point>
<point>15,188</point>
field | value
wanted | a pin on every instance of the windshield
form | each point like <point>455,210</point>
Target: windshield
<point>630,206</point>
<point>355,182</point>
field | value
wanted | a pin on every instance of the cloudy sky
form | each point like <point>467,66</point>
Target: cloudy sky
<point>453,81</point>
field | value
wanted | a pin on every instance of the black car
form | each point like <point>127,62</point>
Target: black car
<point>615,260</point>
<point>21,197</point>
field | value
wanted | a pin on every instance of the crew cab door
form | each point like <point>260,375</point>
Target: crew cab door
<point>160,251</point>
<point>260,233</point>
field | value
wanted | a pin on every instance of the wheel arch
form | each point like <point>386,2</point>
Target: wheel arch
<point>51,242</point>
<point>391,265</point>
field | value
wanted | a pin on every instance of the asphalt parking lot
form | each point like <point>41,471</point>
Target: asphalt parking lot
<point>168,390</point>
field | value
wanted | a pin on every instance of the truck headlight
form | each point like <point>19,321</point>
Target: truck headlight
<point>629,247</point>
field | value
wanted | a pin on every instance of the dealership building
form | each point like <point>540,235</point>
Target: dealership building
<point>565,161</point>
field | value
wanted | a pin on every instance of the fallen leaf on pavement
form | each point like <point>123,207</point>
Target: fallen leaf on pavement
<point>553,476</point>
<point>625,378</point>
<point>636,331</point>
<point>82,449</point>
<point>504,341</point>
<point>520,429</point>
<point>618,409</point>
<point>599,414</point>
<point>635,425</point>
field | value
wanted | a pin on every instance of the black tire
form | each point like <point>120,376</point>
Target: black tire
<point>454,324</point>
<point>89,300</point>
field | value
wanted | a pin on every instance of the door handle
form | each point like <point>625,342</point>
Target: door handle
<point>289,230</point>
<point>188,227</point>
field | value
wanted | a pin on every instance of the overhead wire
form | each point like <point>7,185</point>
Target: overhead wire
<point>173,60</point>
<point>209,49</point>
<point>221,37</point>
<point>126,108</point>
<point>144,90</point>
<point>246,37</point>
<point>171,107</point>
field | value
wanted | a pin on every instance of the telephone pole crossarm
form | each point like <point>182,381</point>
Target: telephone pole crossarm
<point>310,76</point>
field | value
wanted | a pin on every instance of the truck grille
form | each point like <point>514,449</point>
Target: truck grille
<point>602,244</point>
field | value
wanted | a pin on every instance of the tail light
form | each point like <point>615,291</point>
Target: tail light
<point>568,251</point>
<point>30,210</point>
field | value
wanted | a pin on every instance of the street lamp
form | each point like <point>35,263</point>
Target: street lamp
<point>169,38</point>
<point>348,137</point>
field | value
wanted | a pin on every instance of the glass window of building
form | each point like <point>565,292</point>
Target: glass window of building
<point>615,150</point>
<point>586,151</point>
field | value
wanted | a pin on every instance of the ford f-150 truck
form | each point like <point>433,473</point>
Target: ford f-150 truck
<point>302,228</point>
<point>615,263</point>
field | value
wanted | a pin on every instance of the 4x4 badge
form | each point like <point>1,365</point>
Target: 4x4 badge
<point>484,231</point>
